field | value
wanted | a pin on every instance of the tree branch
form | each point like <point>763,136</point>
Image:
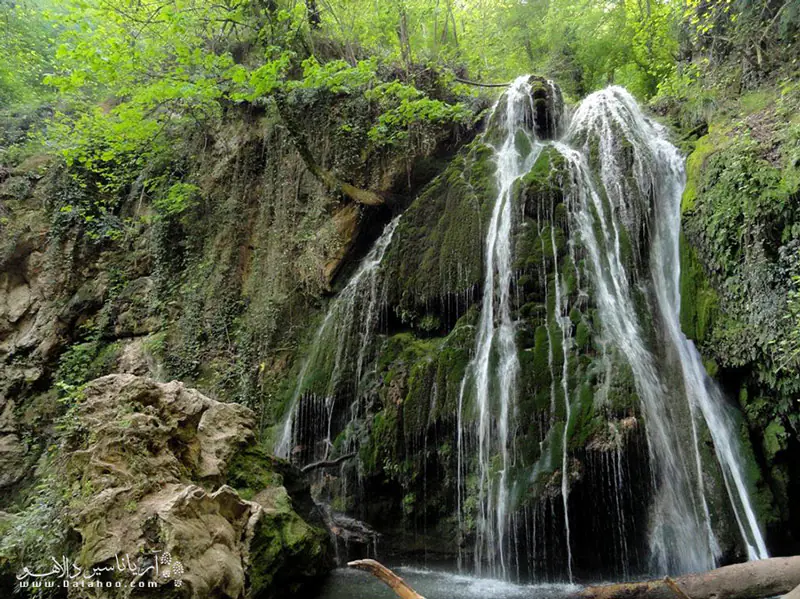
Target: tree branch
<point>397,584</point>
<point>795,594</point>
<point>675,588</point>
<point>326,463</point>
<point>477,84</point>
<point>751,580</point>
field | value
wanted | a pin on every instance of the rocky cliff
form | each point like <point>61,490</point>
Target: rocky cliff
<point>221,283</point>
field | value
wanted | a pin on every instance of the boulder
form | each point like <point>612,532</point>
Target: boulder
<point>144,466</point>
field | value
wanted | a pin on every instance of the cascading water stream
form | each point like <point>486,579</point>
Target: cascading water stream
<point>700,388</point>
<point>610,212</point>
<point>493,371</point>
<point>622,190</point>
<point>564,327</point>
<point>350,321</point>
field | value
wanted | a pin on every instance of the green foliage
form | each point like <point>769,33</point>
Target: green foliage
<point>584,45</point>
<point>740,189</point>
<point>36,535</point>
<point>788,345</point>
<point>337,76</point>
<point>135,81</point>
<point>404,106</point>
<point>83,362</point>
<point>25,50</point>
<point>741,216</point>
<point>155,65</point>
<point>179,198</point>
<point>760,33</point>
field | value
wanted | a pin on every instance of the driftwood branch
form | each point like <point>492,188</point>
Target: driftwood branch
<point>326,463</point>
<point>397,584</point>
<point>751,580</point>
<point>477,84</point>
<point>675,588</point>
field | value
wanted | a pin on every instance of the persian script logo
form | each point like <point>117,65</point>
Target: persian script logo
<point>160,569</point>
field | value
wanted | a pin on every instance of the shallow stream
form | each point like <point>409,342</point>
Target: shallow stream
<point>433,584</point>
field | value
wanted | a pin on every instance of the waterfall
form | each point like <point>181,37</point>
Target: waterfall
<point>493,370</point>
<point>564,326</point>
<point>608,141</point>
<point>619,184</point>
<point>339,349</point>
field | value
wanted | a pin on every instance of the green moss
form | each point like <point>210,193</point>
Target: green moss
<point>436,252</point>
<point>756,101</point>
<point>286,554</point>
<point>775,438</point>
<point>699,301</point>
<point>704,147</point>
<point>382,447</point>
<point>760,493</point>
<point>85,361</point>
<point>583,424</point>
<point>541,188</point>
<point>417,403</point>
<point>541,357</point>
<point>582,335</point>
<point>711,366</point>
<point>251,470</point>
<point>622,397</point>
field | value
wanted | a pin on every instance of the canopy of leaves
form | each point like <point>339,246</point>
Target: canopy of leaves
<point>26,49</point>
<point>130,75</point>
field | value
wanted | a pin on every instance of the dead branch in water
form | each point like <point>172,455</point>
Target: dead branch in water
<point>675,588</point>
<point>397,584</point>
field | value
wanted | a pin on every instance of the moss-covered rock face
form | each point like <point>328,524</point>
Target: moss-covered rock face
<point>435,262</point>
<point>218,286</point>
<point>407,474</point>
<point>412,430</point>
<point>739,265</point>
<point>141,468</point>
<point>548,107</point>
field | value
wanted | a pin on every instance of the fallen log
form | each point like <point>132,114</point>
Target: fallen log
<point>397,584</point>
<point>751,580</point>
<point>675,588</point>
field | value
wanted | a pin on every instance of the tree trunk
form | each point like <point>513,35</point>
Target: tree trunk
<point>751,580</point>
<point>397,584</point>
<point>314,20</point>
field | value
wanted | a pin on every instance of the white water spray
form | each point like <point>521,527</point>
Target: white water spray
<point>611,212</point>
<point>492,373</point>
<point>349,323</point>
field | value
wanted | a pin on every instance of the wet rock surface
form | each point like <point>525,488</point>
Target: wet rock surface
<point>144,466</point>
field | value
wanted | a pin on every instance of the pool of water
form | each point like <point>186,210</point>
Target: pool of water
<point>433,584</point>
